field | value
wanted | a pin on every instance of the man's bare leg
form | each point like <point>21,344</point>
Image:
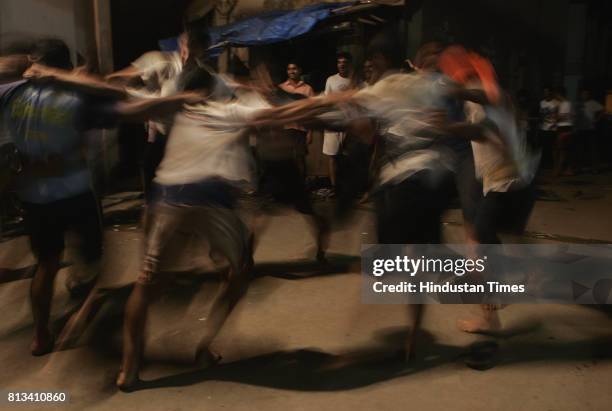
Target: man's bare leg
<point>231,291</point>
<point>79,321</point>
<point>471,238</point>
<point>321,231</point>
<point>133,332</point>
<point>416,315</point>
<point>41,294</point>
<point>332,171</point>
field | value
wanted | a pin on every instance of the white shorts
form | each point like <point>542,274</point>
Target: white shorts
<point>332,141</point>
<point>221,227</point>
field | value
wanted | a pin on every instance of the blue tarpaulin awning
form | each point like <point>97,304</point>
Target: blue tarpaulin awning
<point>266,28</point>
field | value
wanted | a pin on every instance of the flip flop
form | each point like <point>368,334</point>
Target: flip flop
<point>482,355</point>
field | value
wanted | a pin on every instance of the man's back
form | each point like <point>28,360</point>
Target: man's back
<point>45,123</point>
<point>209,142</point>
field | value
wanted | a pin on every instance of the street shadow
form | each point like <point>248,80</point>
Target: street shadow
<point>295,270</point>
<point>8,275</point>
<point>314,370</point>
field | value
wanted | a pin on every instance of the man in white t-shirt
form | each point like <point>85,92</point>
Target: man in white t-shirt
<point>339,82</point>
<point>159,73</point>
<point>206,163</point>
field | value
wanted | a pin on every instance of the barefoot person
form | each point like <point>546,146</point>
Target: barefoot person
<point>46,118</point>
<point>47,124</point>
<point>207,163</point>
<point>503,163</point>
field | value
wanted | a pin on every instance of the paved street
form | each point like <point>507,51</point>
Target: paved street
<point>301,339</point>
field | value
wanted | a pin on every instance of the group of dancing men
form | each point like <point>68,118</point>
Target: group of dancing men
<point>413,139</point>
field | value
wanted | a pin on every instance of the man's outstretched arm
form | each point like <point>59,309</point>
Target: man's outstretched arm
<point>300,110</point>
<point>126,74</point>
<point>85,83</point>
<point>144,109</point>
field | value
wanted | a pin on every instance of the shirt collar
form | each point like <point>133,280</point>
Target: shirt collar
<point>296,85</point>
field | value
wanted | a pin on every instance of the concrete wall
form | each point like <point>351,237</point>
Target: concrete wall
<point>68,20</point>
<point>31,19</point>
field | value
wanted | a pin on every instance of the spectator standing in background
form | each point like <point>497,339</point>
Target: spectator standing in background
<point>332,140</point>
<point>588,114</point>
<point>549,108</point>
<point>302,138</point>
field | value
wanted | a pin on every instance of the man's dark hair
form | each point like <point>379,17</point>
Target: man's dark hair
<point>295,63</point>
<point>52,53</point>
<point>344,55</point>
<point>194,77</point>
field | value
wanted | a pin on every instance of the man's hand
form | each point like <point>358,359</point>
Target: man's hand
<point>192,97</point>
<point>145,109</point>
<point>41,72</point>
<point>86,83</point>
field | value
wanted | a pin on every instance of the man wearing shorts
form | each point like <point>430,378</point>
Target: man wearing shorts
<point>332,140</point>
<point>46,121</point>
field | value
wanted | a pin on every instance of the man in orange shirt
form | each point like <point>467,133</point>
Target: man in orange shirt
<point>302,138</point>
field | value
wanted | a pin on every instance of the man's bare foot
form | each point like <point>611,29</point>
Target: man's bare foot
<point>488,323</point>
<point>42,344</point>
<point>126,381</point>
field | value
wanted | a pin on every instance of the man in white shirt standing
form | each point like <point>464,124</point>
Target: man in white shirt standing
<point>159,72</point>
<point>332,140</point>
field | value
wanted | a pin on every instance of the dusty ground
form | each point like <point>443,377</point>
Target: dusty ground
<point>281,346</point>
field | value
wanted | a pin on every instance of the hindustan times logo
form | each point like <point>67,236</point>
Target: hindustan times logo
<point>411,266</point>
